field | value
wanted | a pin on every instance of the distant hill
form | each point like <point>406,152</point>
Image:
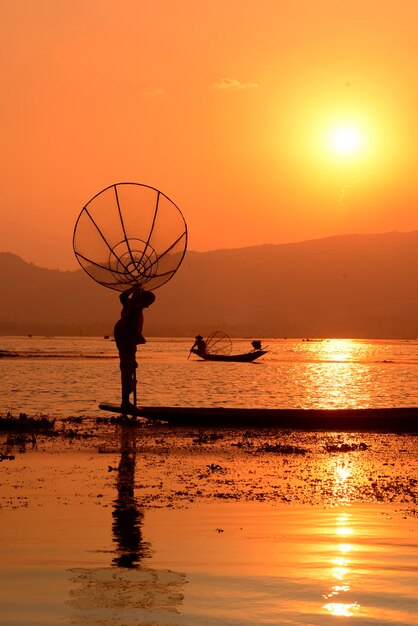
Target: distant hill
<point>344,286</point>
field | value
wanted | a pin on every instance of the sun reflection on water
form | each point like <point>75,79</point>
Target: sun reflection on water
<point>343,472</point>
<point>342,610</point>
<point>343,527</point>
<point>337,372</point>
<point>340,571</point>
<point>341,562</point>
<point>337,473</point>
<point>339,349</point>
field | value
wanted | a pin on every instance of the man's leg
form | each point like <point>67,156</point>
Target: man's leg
<point>127,370</point>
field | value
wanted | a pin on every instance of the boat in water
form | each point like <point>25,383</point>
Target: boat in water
<point>246,357</point>
<point>218,347</point>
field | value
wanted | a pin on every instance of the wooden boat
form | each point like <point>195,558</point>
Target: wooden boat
<point>218,347</point>
<point>391,419</point>
<point>246,357</point>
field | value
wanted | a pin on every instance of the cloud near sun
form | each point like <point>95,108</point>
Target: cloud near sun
<point>233,83</point>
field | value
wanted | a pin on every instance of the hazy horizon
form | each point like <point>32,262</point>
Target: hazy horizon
<point>345,286</point>
<point>74,265</point>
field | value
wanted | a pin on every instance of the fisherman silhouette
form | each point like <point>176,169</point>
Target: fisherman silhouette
<point>128,334</point>
<point>199,346</point>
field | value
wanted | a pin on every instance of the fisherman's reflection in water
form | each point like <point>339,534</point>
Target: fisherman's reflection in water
<point>120,594</point>
<point>127,516</point>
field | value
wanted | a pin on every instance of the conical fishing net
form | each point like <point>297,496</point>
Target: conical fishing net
<point>218,343</point>
<point>130,234</point>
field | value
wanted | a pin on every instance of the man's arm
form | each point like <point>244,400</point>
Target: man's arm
<point>124,296</point>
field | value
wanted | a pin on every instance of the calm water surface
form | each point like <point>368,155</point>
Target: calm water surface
<point>78,546</point>
<point>70,376</point>
<point>126,530</point>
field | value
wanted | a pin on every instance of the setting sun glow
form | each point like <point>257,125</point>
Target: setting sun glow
<point>346,140</point>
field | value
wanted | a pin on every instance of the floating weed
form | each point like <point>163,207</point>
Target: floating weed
<point>279,448</point>
<point>346,447</point>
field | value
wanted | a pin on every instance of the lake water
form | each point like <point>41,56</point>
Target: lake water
<point>141,536</point>
<point>70,376</point>
<point>119,525</point>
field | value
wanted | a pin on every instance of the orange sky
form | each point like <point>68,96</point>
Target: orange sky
<point>227,106</point>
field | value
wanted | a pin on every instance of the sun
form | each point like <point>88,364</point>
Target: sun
<point>346,140</point>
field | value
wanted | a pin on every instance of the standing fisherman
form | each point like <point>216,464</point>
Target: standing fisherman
<point>128,334</point>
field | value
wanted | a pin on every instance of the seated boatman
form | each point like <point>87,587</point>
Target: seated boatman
<point>199,346</point>
<point>128,334</point>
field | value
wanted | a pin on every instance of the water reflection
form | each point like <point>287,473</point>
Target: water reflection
<point>341,350</point>
<point>127,515</point>
<point>338,603</point>
<point>295,373</point>
<point>341,571</point>
<point>338,376</point>
<point>128,592</point>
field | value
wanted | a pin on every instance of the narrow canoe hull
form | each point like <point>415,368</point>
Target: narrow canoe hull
<point>361,420</point>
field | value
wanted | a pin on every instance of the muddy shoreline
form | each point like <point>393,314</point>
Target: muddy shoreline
<point>175,466</point>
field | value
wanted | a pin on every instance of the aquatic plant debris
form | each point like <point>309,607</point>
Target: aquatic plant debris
<point>173,470</point>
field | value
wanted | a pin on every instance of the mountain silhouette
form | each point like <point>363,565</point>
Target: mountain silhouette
<point>343,286</point>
